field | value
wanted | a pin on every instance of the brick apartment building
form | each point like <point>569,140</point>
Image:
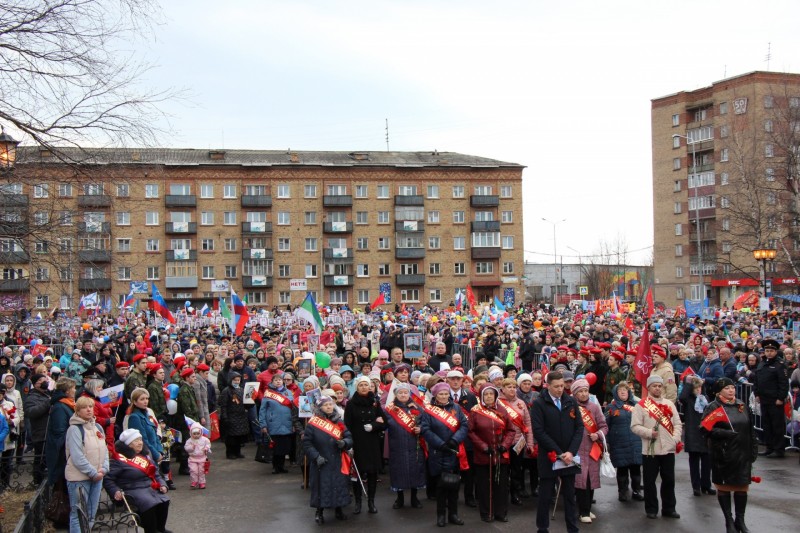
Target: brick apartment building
<point>742,133</point>
<point>271,223</point>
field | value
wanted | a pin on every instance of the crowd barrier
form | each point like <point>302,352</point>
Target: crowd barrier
<point>58,349</point>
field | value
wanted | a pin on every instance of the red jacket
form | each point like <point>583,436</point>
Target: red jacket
<point>485,433</point>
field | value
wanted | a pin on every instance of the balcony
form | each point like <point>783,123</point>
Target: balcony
<point>180,200</point>
<point>700,146</point>
<point>409,279</point>
<point>486,252</point>
<point>341,255</point>
<point>180,228</point>
<point>256,282</point>
<point>18,256</point>
<point>181,282</point>
<point>409,253</point>
<point>488,225</point>
<point>257,227</point>
<point>707,235</point>
<point>181,255</point>
<point>409,199</point>
<point>710,257</point>
<point>338,281</point>
<point>13,228</point>
<point>256,200</point>
<point>338,200</point>
<point>102,227</point>
<point>94,256</point>
<point>14,285</point>
<point>14,200</point>
<point>257,253</point>
<point>337,227</point>
<point>484,200</point>
<point>94,200</point>
<point>409,226</point>
<point>94,284</point>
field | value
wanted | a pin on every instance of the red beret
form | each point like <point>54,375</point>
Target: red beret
<point>657,349</point>
<point>605,345</point>
<point>202,367</point>
<point>186,372</point>
<point>152,368</point>
<point>595,350</point>
<point>563,348</point>
<point>122,364</point>
<point>138,357</point>
<point>617,355</point>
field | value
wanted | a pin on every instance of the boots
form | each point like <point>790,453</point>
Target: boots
<point>415,503</point>
<point>340,514</point>
<point>371,506</point>
<point>372,487</point>
<point>357,497</point>
<point>636,485</point>
<point>452,508</point>
<point>740,501</point>
<point>400,501</point>
<point>441,508</point>
<point>724,499</point>
<point>319,519</point>
<point>622,487</point>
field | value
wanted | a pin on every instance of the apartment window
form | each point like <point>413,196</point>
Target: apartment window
<point>42,274</point>
<point>123,273</point>
<point>41,191</point>
<point>284,191</point>
<point>363,296</point>
<point>679,272</point>
<point>362,191</point>
<point>361,217</point>
<point>679,293</point>
<point>407,190</point>
<point>769,102</point>
<point>151,218</point>
<point>508,267</point>
<point>458,217</point>
<point>724,131</point>
<point>283,218</point>
<point>794,101</point>
<point>726,224</point>
<point>723,155</point>
<point>229,218</point>
<point>40,218</point>
<point>676,142</point>
<point>336,190</point>
<point>458,191</point>
<point>459,243</point>
<point>676,163</point>
<point>677,186</point>
<point>484,267</point>
<point>678,229</point>
<point>483,190</point>
<point>484,216</point>
<point>435,295</point>
<point>123,218</point>
<point>151,190</point>
<point>727,247</point>
<point>65,245</point>
<point>724,178</point>
<point>725,202</point>
<point>206,190</point>
<point>43,301</point>
<point>434,243</point>
<point>152,245</point>
<point>409,295</point>
<point>702,202</point>
<point>311,271</point>
<point>309,191</point>
<point>770,174</point>
<point>434,269</point>
<point>207,245</point>
<point>433,217</point>
<point>284,244</point>
<point>382,191</point>
<point>433,191</point>
<point>153,272</point>
<point>231,272</point>
<point>459,268</point>
<point>383,217</point>
<point>772,198</point>
<point>383,269</point>
<point>207,218</point>
<point>678,250</point>
<point>676,208</point>
<point>701,179</point>
<point>123,245</point>
<point>507,242</point>
<point>383,243</point>
<point>723,108</point>
<point>485,239</point>
<point>338,296</point>
<point>676,120</point>
<point>505,191</point>
<point>229,191</point>
<point>64,273</point>
<point>230,244</point>
<point>180,189</point>
<point>311,244</point>
<point>65,190</point>
<point>768,126</point>
<point>769,150</point>
<point>362,243</point>
<point>362,271</point>
<point>64,218</point>
<point>284,297</point>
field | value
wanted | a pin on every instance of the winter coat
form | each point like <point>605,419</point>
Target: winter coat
<point>158,402</point>
<point>556,430</point>
<point>211,394</point>
<point>277,418</point>
<point>86,449</point>
<point>187,406</point>
<point>589,475</point>
<point>436,434</point>
<point>362,410</point>
<point>199,448</point>
<point>624,446</point>
<point>138,419</point>
<point>37,409</point>
<point>710,372</point>
<point>23,383</point>
<point>693,439</point>
<point>599,369</point>
<point>643,425</point>
<point>328,486</point>
<point>732,452</point>
<point>3,431</point>
<point>487,434</point>
<point>521,409</point>
<point>15,397</point>
<point>55,447</point>
<point>613,378</point>
<point>136,485</point>
<point>407,466</point>
<point>201,397</point>
<point>233,412</point>
<point>770,382</point>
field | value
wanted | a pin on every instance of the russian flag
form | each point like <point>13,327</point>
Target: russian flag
<point>160,306</point>
<point>459,299</point>
<point>240,316</point>
<point>189,422</point>
<point>129,300</point>
<point>205,311</point>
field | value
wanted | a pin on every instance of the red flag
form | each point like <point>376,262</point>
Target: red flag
<point>471,296</point>
<point>651,308</point>
<point>628,325</point>
<point>687,372</point>
<point>474,311</point>
<point>347,463</point>
<point>597,307</point>
<point>643,363</point>
<point>214,417</point>
<point>403,308</point>
<point>379,301</point>
<point>256,336</point>
<point>717,415</point>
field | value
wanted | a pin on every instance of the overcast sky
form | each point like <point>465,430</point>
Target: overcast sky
<point>563,88</point>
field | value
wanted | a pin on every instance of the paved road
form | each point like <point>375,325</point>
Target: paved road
<point>243,496</point>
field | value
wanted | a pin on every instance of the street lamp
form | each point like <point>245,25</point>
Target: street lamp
<point>697,217</point>
<point>764,255</point>
<point>8,150</point>
<point>555,259</point>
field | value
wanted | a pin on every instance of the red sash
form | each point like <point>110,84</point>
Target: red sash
<point>280,398</point>
<point>403,419</point>
<point>491,415</point>
<point>627,407</point>
<point>591,427</point>
<point>655,411</point>
<point>144,465</point>
<point>335,431</point>
<point>418,398</point>
<point>515,417</point>
<point>451,422</point>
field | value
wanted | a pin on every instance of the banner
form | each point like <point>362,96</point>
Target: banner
<point>298,284</point>
<point>386,290</point>
<point>220,285</point>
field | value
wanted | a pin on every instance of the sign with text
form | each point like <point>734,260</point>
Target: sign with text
<point>220,285</point>
<point>298,285</point>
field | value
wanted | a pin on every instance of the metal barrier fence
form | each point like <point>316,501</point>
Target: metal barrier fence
<point>33,519</point>
<point>58,349</point>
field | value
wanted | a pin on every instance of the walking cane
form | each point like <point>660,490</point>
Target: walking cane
<point>555,505</point>
<point>358,475</point>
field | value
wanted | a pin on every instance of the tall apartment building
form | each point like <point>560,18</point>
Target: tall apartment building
<point>724,184</point>
<point>272,223</point>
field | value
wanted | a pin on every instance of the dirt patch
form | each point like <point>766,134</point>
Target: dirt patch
<point>13,503</point>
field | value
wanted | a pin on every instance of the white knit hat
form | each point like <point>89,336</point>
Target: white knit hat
<point>130,435</point>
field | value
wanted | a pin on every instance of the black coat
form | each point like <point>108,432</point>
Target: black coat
<point>233,412</point>
<point>693,439</point>
<point>55,450</point>
<point>770,382</point>
<point>732,452</point>
<point>368,445</point>
<point>37,413</point>
<point>406,457</point>
<point>436,434</point>
<point>559,431</point>
<point>328,486</point>
<point>133,482</point>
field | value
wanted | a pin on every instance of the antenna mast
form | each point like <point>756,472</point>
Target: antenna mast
<point>387,134</point>
<point>769,54</point>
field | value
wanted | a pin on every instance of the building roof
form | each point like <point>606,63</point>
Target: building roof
<point>756,75</point>
<point>255,158</point>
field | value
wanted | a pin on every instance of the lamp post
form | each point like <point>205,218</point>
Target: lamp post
<point>555,260</point>
<point>697,217</point>
<point>8,150</point>
<point>764,255</point>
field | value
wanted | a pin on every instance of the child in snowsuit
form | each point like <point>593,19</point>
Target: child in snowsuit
<point>198,447</point>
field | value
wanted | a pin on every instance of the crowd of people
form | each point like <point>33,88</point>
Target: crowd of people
<point>497,410</point>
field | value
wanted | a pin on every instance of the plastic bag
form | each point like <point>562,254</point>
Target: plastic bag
<point>606,467</point>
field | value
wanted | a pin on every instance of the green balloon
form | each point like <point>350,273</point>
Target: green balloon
<point>322,360</point>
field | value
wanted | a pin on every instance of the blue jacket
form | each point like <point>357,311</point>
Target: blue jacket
<point>624,446</point>
<point>55,439</point>
<point>436,435</point>
<point>710,372</point>
<point>275,417</point>
<point>3,431</point>
<point>729,369</point>
<point>679,366</point>
<point>139,420</point>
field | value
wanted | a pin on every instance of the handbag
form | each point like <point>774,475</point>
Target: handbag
<point>57,510</point>
<point>606,467</point>
<point>449,480</point>
<point>264,451</point>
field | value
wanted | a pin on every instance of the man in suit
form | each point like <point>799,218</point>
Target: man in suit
<point>558,428</point>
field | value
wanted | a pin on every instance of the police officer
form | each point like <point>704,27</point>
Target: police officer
<point>491,345</point>
<point>527,348</point>
<point>771,389</point>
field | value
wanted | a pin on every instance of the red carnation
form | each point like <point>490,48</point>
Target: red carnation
<point>552,456</point>
<point>755,479</point>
